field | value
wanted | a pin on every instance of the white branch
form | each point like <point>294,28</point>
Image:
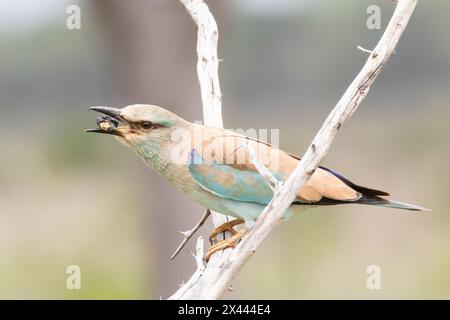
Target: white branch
<point>197,274</point>
<point>208,71</point>
<point>217,275</point>
<point>363,49</point>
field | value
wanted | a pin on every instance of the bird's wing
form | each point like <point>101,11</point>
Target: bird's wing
<point>222,165</point>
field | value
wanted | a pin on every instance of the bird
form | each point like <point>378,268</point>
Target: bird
<point>214,167</point>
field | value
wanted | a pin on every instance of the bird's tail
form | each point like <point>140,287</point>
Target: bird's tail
<point>378,201</point>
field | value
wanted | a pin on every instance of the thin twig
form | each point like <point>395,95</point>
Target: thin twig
<point>274,183</point>
<point>363,50</point>
<point>189,233</point>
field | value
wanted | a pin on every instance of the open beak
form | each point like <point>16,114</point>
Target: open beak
<point>110,126</point>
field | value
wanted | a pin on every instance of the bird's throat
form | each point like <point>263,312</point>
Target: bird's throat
<point>151,153</point>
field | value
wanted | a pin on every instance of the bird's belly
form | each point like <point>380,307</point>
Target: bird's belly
<point>211,201</point>
<point>249,211</point>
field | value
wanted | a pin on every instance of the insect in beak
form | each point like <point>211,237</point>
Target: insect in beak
<point>109,123</point>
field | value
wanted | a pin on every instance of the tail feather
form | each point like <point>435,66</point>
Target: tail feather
<point>370,196</point>
<point>378,201</point>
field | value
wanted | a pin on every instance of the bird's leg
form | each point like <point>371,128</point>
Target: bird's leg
<point>227,226</point>
<point>227,243</point>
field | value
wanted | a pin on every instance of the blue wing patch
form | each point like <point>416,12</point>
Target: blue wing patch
<point>226,181</point>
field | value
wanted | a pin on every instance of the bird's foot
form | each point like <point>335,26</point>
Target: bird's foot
<point>227,226</point>
<point>227,243</point>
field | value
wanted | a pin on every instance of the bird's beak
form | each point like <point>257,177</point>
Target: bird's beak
<point>113,113</point>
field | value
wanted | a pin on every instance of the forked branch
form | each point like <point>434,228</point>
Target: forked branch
<point>212,280</point>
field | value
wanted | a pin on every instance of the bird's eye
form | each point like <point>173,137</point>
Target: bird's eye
<point>146,125</point>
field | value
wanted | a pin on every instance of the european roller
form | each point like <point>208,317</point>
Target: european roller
<point>215,168</point>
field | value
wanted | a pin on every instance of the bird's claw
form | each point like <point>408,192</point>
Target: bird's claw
<point>227,243</point>
<point>224,244</point>
<point>227,226</point>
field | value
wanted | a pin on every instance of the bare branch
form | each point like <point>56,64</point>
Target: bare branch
<point>216,276</point>
<point>186,287</point>
<point>189,233</point>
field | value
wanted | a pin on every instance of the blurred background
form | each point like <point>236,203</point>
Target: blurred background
<point>67,197</point>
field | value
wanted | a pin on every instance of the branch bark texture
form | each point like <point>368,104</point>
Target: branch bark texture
<point>208,70</point>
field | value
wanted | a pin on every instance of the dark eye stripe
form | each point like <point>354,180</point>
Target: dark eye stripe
<point>147,125</point>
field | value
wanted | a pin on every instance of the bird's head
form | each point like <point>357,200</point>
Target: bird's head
<point>139,124</point>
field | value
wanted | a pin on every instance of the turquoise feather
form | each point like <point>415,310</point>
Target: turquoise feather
<point>239,185</point>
